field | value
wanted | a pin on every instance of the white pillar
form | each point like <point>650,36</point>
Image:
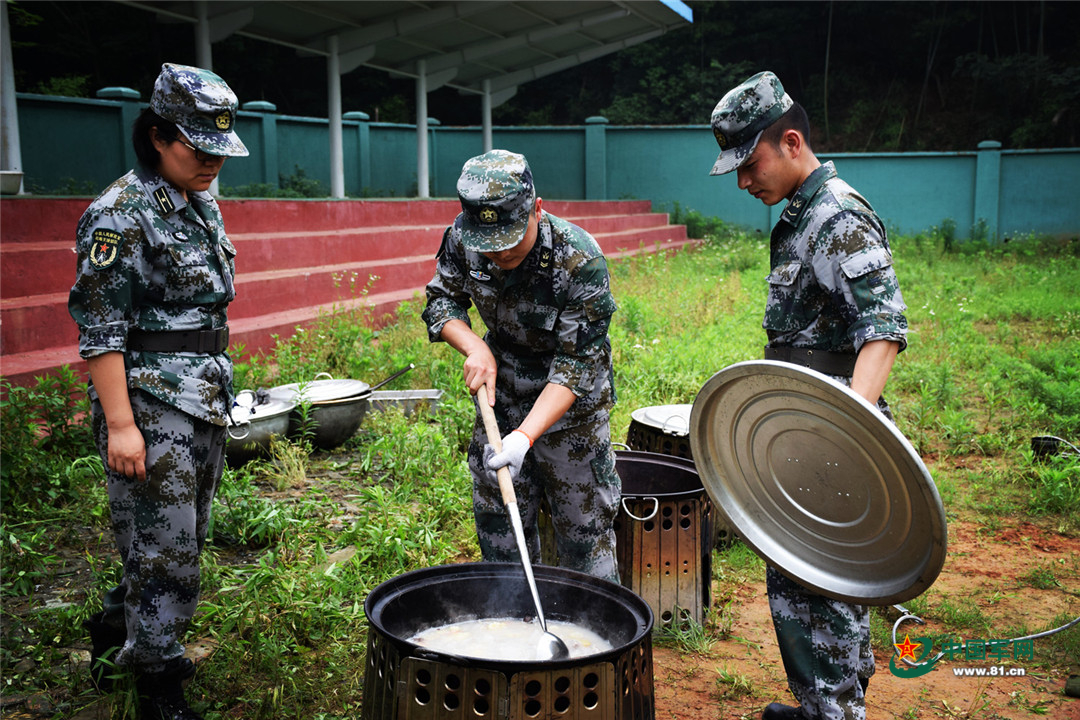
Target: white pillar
<point>337,161</point>
<point>421,131</point>
<point>486,115</point>
<point>203,54</point>
<point>10,150</point>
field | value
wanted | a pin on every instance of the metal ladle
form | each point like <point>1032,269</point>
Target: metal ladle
<point>551,646</point>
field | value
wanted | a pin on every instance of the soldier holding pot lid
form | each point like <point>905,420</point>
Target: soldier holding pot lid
<point>834,305</point>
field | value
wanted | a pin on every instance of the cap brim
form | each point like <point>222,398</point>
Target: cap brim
<point>222,144</point>
<point>492,238</point>
<point>732,158</point>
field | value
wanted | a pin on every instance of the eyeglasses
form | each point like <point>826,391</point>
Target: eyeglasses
<point>200,155</point>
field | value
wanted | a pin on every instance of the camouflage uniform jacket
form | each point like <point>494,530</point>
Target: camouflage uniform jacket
<point>832,285</point>
<point>149,260</point>
<point>547,319</point>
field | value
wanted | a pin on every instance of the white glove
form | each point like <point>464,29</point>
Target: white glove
<point>514,447</point>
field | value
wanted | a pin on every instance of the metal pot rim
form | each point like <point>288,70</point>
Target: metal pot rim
<point>426,579</point>
<point>319,392</point>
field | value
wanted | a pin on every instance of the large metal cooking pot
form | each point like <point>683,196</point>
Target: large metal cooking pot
<point>663,429</point>
<point>405,680</point>
<point>256,419</point>
<point>338,407</point>
<point>664,534</point>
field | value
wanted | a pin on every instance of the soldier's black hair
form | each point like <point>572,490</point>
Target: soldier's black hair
<point>140,136</point>
<point>794,119</point>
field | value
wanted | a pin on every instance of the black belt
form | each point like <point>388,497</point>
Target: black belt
<point>169,341</point>
<point>824,361</point>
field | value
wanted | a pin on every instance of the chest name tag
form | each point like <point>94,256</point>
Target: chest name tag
<point>105,248</point>
<point>477,275</point>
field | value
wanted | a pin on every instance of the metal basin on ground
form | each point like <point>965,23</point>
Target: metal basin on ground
<point>338,407</point>
<point>255,423</point>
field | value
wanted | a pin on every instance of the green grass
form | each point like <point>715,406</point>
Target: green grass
<point>994,360</point>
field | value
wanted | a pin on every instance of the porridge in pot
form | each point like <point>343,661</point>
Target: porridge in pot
<point>507,639</point>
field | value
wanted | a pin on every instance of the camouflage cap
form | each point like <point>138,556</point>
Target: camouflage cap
<point>497,197</point>
<point>202,105</point>
<point>742,114</point>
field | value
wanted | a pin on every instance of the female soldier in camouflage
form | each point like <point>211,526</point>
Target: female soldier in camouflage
<point>155,275</point>
<point>835,306</point>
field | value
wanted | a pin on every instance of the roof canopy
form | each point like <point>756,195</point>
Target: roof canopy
<point>487,48</point>
<point>456,44</point>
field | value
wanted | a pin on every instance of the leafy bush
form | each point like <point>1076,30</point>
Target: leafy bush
<point>46,426</point>
<point>297,185</point>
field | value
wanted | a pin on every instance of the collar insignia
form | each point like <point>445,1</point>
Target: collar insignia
<point>163,200</point>
<point>488,215</point>
<point>477,275</point>
<point>545,258</point>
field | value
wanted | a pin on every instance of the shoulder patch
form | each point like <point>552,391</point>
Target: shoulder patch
<point>105,248</point>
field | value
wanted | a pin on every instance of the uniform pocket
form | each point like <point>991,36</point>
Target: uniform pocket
<point>189,279</point>
<point>784,310</point>
<point>865,262</point>
<point>541,317</point>
<point>598,312</point>
<point>869,275</point>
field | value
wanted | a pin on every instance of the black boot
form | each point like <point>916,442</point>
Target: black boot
<point>106,639</point>
<point>161,694</point>
<point>776,711</point>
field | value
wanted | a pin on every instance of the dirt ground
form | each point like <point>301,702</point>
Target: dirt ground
<point>981,566</point>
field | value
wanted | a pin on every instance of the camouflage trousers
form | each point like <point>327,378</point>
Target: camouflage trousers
<point>160,526</point>
<point>574,471</point>
<point>825,646</point>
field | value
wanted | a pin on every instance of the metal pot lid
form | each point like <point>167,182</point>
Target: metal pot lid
<point>818,482</point>
<point>671,419</point>
<point>318,391</point>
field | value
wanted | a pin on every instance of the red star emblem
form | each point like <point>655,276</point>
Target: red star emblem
<point>907,648</point>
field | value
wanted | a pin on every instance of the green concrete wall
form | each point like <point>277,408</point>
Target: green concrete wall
<point>82,145</point>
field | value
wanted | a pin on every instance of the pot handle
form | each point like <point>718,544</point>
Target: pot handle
<point>669,428</point>
<point>246,425</point>
<point>624,446</point>
<point>395,376</point>
<point>328,375</point>
<point>650,516</point>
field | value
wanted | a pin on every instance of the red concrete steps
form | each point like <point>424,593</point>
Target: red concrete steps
<point>31,268</point>
<point>296,260</point>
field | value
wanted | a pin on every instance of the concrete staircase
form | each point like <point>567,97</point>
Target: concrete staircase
<point>295,259</point>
